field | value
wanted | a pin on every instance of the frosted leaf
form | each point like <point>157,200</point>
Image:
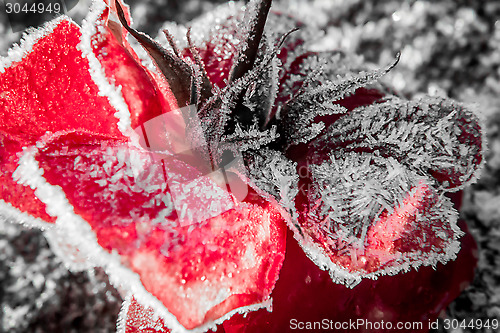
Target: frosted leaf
<point>311,69</point>
<point>215,113</point>
<point>261,95</point>
<point>176,71</point>
<point>312,86</point>
<point>201,80</point>
<point>431,136</point>
<point>220,113</point>
<point>297,44</point>
<point>251,84</point>
<point>300,126</point>
<point>301,70</point>
<point>256,16</point>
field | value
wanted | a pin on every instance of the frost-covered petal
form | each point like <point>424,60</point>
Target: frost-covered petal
<point>365,216</point>
<point>116,208</point>
<point>139,91</point>
<point>45,85</point>
<point>375,181</point>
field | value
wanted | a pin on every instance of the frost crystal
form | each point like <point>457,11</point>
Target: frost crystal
<point>431,136</point>
<point>318,93</point>
<point>275,174</point>
<point>251,138</point>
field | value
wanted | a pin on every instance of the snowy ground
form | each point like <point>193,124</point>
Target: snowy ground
<point>448,48</point>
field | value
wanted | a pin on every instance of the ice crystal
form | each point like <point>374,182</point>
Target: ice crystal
<point>251,138</point>
<point>275,174</point>
<point>352,190</point>
<point>317,96</point>
<point>432,136</point>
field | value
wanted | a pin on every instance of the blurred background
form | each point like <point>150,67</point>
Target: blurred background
<point>449,48</point>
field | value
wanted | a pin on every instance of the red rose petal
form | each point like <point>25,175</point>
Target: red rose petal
<point>216,271</point>
<point>407,235</point>
<point>200,272</point>
<point>145,91</point>
<point>50,88</point>
<point>383,219</point>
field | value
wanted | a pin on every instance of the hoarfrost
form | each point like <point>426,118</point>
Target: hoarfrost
<point>251,138</point>
<point>354,189</point>
<point>431,136</point>
<point>375,217</point>
<point>275,174</point>
<point>318,94</point>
